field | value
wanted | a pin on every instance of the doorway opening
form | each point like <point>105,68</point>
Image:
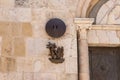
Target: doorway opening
<point>104,63</point>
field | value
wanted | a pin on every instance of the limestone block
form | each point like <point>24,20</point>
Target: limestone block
<point>113,39</point>
<point>71,65</point>
<point>28,65</point>
<point>24,65</point>
<point>56,4</point>
<point>38,3</point>
<point>7,64</point>
<point>63,76</point>
<point>20,63</point>
<point>39,15</point>
<point>40,46</point>
<point>69,45</point>
<point>15,14</point>
<point>39,65</point>
<point>7,3</point>
<point>12,76</point>
<point>73,48</point>
<point>19,46</point>
<point>20,75</point>
<point>102,36</point>
<point>3,76</point>
<point>39,30</point>
<point>7,46</point>
<point>23,14</point>
<point>30,46</point>
<point>54,68</point>
<point>27,29</point>
<point>36,46</point>
<point>45,76</point>
<point>4,29</point>
<point>92,37</point>
<point>21,3</point>
<point>0,46</point>
<point>117,1</point>
<point>118,34</point>
<point>28,76</point>
<point>16,29</point>
<point>71,4</point>
<point>71,77</point>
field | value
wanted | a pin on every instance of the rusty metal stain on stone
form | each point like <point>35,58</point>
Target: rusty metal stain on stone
<point>55,28</point>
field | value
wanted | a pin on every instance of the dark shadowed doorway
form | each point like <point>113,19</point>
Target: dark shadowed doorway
<point>104,63</point>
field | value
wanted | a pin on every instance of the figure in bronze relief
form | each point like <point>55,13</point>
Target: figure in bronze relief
<point>56,53</point>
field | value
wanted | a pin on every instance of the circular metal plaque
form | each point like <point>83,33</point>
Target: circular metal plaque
<point>55,27</point>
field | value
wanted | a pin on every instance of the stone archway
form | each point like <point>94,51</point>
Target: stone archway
<point>104,11</point>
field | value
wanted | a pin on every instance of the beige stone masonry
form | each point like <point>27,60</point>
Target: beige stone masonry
<point>104,35</point>
<point>83,25</point>
<point>12,36</point>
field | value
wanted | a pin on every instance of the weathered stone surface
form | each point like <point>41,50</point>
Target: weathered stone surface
<point>19,46</point>
<point>71,65</point>
<point>102,35</point>
<point>30,46</point>
<point>69,45</point>
<point>54,68</point>
<point>7,3</point>
<point>27,29</point>
<point>38,3</point>
<point>28,76</point>
<point>0,46</point>
<point>16,29</point>
<point>3,76</point>
<point>36,46</point>
<point>4,28</point>
<point>21,3</point>
<point>7,46</point>
<point>24,65</point>
<point>20,62</point>
<point>39,65</point>
<point>71,77</point>
<point>42,76</point>
<point>15,14</point>
<point>64,76</point>
<point>7,64</point>
<point>28,65</point>
<point>118,34</point>
<point>61,76</point>
<point>113,38</point>
<point>11,76</point>
<point>20,75</point>
<point>92,37</point>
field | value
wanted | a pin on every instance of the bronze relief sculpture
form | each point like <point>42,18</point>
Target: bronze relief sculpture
<point>56,53</point>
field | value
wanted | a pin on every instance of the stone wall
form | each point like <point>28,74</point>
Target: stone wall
<point>23,40</point>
